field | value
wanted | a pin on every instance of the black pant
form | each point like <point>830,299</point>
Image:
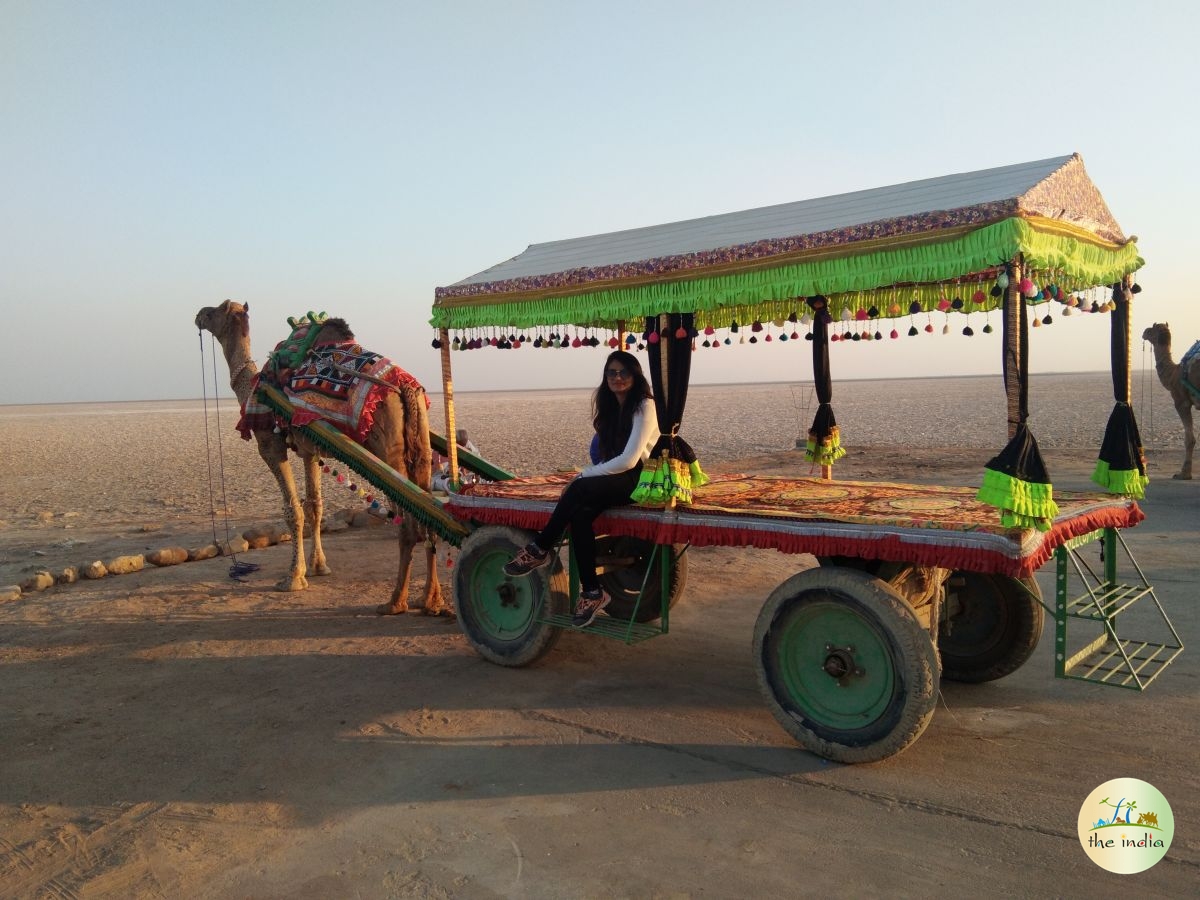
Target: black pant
<point>583,500</point>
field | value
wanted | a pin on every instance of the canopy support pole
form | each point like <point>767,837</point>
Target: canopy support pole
<point>1012,349</point>
<point>448,401</point>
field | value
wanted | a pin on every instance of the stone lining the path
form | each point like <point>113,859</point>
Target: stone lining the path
<point>254,538</point>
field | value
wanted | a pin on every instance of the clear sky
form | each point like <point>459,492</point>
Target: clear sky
<point>350,157</point>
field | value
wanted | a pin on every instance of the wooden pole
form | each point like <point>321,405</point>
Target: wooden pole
<point>1012,345</point>
<point>1127,286</point>
<point>448,402</point>
<point>664,362</point>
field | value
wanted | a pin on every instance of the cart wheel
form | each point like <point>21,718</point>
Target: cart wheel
<point>994,625</point>
<point>624,560</point>
<point>499,614</point>
<point>846,668</point>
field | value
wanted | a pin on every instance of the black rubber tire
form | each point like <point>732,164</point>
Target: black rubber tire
<point>498,614</point>
<point>622,583</point>
<point>890,691</point>
<point>995,629</point>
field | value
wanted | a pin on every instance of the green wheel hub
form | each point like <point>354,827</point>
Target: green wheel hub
<point>504,607</point>
<point>836,667</point>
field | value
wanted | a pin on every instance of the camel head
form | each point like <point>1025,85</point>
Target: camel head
<point>230,319</point>
<point>1158,334</point>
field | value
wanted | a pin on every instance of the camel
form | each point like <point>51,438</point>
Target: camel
<point>1175,380</point>
<point>399,437</point>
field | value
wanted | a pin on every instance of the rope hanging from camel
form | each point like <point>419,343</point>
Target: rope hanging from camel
<point>237,569</point>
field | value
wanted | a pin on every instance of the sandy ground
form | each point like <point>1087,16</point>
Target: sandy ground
<point>175,733</point>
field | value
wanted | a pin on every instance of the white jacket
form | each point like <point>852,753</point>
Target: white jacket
<point>642,438</point>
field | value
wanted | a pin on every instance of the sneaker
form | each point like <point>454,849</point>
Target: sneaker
<point>590,603</point>
<point>526,561</point>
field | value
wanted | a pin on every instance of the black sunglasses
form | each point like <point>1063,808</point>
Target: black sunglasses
<point>618,373</point>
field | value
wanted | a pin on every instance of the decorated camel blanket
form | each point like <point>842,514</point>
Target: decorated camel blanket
<point>338,382</point>
<point>921,524</point>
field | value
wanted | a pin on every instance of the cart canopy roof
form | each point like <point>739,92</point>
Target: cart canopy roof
<point>885,248</point>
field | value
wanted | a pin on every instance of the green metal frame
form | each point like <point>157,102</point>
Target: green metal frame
<point>630,632</point>
<point>1109,659</point>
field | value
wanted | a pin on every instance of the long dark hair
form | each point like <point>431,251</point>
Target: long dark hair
<point>613,420</point>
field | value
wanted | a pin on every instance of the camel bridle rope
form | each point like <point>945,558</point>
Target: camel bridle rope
<point>238,569</point>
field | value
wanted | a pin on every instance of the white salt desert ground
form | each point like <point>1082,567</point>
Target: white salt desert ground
<point>179,733</point>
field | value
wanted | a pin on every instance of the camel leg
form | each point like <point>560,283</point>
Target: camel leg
<point>399,602</point>
<point>1189,441</point>
<point>274,452</point>
<point>435,604</point>
<point>313,508</point>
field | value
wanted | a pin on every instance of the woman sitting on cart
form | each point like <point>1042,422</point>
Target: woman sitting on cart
<point>626,431</point>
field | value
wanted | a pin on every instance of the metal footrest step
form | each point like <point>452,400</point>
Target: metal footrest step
<point>1121,663</point>
<point>1107,602</point>
<point>606,626</point>
<point>1110,658</point>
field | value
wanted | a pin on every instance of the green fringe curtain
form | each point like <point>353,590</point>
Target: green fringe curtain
<point>1076,263</point>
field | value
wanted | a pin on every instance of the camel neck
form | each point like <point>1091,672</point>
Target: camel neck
<point>242,370</point>
<point>1163,363</point>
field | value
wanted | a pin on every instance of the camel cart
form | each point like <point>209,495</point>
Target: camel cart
<point>915,582</point>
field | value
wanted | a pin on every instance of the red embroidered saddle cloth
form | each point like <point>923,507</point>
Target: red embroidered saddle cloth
<point>329,384</point>
<point>920,524</point>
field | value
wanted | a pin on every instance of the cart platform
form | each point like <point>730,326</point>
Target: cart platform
<point>922,524</point>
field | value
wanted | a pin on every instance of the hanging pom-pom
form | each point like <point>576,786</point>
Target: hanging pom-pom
<point>873,313</point>
<point>997,290</point>
<point>912,331</point>
<point>756,326</point>
<point>742,339</point>
<point>860,315</point>
<point>846,314</point>
<point>709,330</point>
<point>1002,280</point>
<point>946,328</point>
<point>1036,323</point>
<point>1137,288</point>
<point>753,339</point>
<point>795,336</point>
<point>1029,289</point>
<point>808,336</point>
<point>733,326</point>
<point>653,338</point>
<point>968,331</point>
<point>1067,311</point>
<point>728,342</point>
<point>943,304</point>
<point>1048,320</point>
<point>613,342</point>
<point>806,320</point>
<point>987,329</point>
<point>792,316</point>
<point>630,340</point>
<point>782,336</point>
<point>436,344</point>
<point>978,297</point>
<point>767,338</point>
<point>956,303</point>
<point>929,328</point>
<point>681,332</point>
<point>706,344</point>
<point>914,308</point>
<point>895,334</point>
